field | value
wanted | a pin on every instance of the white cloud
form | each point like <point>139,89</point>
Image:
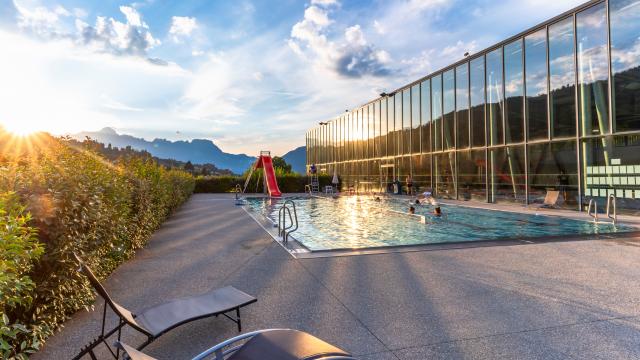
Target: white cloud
<point>352,56</point>
<point>325,2</point>
<point>42,21</point>
<point>182,26</point>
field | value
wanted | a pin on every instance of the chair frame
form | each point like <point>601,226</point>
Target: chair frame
<point>126,317</point>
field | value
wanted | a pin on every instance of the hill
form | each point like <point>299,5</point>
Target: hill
<point>297,158</point>
<point>198,151</point>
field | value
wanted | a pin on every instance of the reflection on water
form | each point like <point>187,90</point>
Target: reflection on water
<point>360,222</point>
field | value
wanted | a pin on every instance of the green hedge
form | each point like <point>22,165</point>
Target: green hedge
<point>288,183</point>
<point>80,202</point>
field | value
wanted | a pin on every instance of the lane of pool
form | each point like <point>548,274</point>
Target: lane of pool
<point>360,222</point>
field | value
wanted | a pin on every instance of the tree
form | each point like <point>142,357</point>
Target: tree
<point>280,163</point>
<point>189,166</point>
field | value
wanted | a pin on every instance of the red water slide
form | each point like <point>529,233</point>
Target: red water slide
<point>264,161</point>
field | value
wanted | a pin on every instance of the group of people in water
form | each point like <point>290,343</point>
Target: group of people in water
<point>426,198</point>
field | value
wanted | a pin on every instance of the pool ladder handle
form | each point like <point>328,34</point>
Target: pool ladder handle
<point>611,199</point>
<point>283,230</point>
<point>238,191</point>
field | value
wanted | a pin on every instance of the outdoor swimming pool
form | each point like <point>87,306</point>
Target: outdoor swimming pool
<point>358,222</point>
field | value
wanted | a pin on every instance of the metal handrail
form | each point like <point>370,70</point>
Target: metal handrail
<point>595,210</point>
<point>612,200</point>
<point>282,228</point>
<point>238,190</point>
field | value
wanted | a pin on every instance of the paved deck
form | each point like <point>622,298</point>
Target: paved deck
<point>564,300</point>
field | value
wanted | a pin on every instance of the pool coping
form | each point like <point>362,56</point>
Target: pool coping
<point>297,250</point>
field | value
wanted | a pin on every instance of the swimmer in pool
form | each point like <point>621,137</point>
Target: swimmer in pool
<point>377,199</point>
<point>412,210</point>
<point>437,211</point>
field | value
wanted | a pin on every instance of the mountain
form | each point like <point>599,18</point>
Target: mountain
<point>297,158</point>
<point>198,151</point>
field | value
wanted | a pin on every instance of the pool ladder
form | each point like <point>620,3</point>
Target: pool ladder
<point>611,204</point>
<point>285,230</point>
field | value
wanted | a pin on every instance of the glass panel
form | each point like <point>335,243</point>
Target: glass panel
<point>562,79</point>
<point>554,167</point>
<point>536,84</point>
<point>391,137</point>
<point>514,90</point>
<point>406,121</point>
<point>472,172</point>
<point>421,172</point>
<point>507,179</point>
<point>462,106</point>
<point>495,96</point>
<point>398,124</point>
<point>445,175</point>
<point>415,119</point>
<point>477,102</point>
<point>625,63</point>
<point>372,131</point>
<point>449,107</point>
<point>425,109</point>
<point>436,110</point>
<point>612,166</point>
<point>384,128</point>
<point>593,70</point>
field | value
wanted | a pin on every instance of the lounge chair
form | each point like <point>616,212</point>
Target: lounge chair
<point>271,344</point>
<point>157,320</point>
<point>551,200</point>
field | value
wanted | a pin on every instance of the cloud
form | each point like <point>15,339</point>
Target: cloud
<point>182,26</point>
<point>42,21</point>
<point>324,2</point>
<point>351,57</point>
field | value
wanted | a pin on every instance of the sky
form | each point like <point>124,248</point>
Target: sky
<point>249,75</point>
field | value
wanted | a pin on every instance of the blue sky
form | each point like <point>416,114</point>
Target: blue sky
<point>250,75</point>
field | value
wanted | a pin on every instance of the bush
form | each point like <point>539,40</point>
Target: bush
<point>81,203</point>
<point>287,182</point>
<point>19,249</point>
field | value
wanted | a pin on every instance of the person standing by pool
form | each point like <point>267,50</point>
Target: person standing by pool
<point>409,182</point>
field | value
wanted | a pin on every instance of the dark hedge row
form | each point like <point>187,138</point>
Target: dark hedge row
<point>77,202</point>
<point>288,183</point>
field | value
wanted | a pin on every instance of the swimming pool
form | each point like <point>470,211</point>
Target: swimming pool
<point>358,222</point>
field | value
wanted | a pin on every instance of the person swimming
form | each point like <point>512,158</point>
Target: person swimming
<point>437,211</point>
<point>412,210</point>
<point>377,199</point>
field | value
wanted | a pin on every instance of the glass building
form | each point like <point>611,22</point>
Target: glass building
<point>556,107</point>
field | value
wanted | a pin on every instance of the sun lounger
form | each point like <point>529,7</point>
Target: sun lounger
<point>157,320</point>
<point>271,344</point>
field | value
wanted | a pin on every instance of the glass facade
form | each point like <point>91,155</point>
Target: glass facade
<point>556,108</point>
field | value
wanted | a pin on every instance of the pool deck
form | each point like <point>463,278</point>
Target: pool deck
<point>551,300</point>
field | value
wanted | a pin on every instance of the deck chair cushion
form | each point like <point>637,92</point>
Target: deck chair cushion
<point>163,317</point>
<point>286,345</point>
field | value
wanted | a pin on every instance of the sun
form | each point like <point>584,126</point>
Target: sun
<point>20,129</point>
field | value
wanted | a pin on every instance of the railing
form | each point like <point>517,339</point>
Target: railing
<point>612,200</point>
<point>238,191</point>
<point>595,210</point>
<point>285,230</point>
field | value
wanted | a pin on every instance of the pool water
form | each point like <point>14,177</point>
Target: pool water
<point>358,222</point>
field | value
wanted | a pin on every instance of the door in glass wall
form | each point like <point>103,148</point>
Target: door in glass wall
<point>625,63</point>
<point>445,175</point>
<point>477,89</point>
<point>611,166</point>
<point>507,177</point>
<point>495,97</point>
<point>425,110</point>
<point>536,84</point>
<point>415,120</point>
<point>449,108</point>
<point>421,172</point>
<point>472,175</point>
<point>462,106</point>
<point>562,79</point>
<point>436,110</point>
<point>593,70</point>
<point>372,131</point>
<point>553,174</point>
<point>514,91</point>
<point>387,174</point>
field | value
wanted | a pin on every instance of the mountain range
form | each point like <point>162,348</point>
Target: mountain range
<point>198,151</point>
